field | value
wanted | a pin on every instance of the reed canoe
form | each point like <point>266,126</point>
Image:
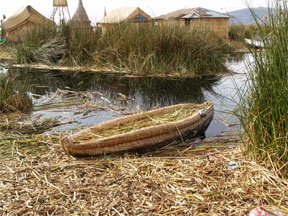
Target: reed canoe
<point>257,44</point>
<point>89,142</point>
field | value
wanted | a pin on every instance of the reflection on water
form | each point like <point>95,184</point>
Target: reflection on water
<point>236,57</point>
<point>146,93</point>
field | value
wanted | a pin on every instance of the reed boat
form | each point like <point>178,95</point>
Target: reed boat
<point>257,44</point>
<point>140,132</point>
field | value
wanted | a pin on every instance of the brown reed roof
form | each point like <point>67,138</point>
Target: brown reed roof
<point>22,17</point>
<point>123,14</point>
<point>177,14</point>
<point>80,15</point>
<point>190,13</point>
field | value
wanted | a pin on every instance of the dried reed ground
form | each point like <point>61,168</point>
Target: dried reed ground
<point>37,178</point>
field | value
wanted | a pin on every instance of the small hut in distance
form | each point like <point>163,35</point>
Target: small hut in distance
<point>24,21</point>
<point>199,18</point>
<point>80,18</point>
<point>128,14</point>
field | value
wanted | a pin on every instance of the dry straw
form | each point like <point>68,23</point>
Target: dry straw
<point>176,182</point>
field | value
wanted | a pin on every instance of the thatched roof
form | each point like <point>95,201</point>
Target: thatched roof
<point>80,15</point>
<point>192,13</point>
<point>124,14</point>
<point>28,14</point>
<point>62,3</point>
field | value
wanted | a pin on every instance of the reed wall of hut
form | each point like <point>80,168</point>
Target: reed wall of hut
<point>218,25</point>
<point>200,18</point>
<point>18,26</point>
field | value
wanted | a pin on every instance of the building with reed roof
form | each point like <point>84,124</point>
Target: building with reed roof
<point>80,18</point>
<point>127,14</point>
<point>198,18</point>
<point>24,21</point>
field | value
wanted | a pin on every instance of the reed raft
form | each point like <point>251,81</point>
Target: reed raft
<point>133,133</point>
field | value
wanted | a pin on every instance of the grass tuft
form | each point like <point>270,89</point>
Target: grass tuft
<point>13,97</point>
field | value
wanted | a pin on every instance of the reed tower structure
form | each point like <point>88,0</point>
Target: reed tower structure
<point>60,7</point>
<point>80,18</point>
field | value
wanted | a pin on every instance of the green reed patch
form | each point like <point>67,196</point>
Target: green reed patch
<point>237,32</point>
<point>141,49</point>
<point>13,96</point>
<point>153,49</point>
<point>263,111</point>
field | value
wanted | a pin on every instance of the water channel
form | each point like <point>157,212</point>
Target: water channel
<point>86,99</point>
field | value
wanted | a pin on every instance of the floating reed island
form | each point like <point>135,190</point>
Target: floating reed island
<point>143,131</point>
<point>178,180</point>
<point>129,48</point>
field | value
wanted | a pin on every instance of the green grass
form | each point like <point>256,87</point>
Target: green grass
<point>263,110</point>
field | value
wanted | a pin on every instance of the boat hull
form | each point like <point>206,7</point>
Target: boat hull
<point>255,44</point>
<point>143,139</point>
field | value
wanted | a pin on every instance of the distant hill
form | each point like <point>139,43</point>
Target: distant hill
<point>244,16</point>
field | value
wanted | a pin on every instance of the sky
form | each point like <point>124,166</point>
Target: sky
<point>95,8</point>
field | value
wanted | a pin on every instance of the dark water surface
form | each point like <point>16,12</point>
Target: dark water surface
<point>126,94</point>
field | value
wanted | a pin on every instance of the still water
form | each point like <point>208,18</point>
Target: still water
<point>74,97</point>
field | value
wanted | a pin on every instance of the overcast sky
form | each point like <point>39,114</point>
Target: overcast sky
<point>95,8</point>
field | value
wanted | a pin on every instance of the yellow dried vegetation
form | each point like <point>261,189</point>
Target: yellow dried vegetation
<point>179,180</point>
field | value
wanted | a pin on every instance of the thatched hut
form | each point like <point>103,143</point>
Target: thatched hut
<point>198,18</point>
<point>80,18</point>
<point>24,21</point>
<point>128,14</point>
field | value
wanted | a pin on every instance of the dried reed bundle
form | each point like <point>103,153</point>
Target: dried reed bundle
<point>17,122</point>
<point>52,51</point>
